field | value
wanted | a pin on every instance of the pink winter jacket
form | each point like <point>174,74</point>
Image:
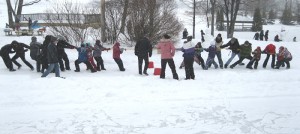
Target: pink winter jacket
<point>167,48</point>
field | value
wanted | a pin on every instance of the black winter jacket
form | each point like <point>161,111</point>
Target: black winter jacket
<point>61,45</point>
<point>5,50</point>
<point>19,48</point>
<point>234,47</point>
<point>143,48</point>
<point>52,54</point>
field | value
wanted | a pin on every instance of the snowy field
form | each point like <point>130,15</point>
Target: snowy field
<point>218,101</point>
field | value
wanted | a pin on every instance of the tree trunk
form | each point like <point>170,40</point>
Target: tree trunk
<point>10,14</point>
<point>20,8</point>
<point>151,21</point>
<point>213,5</point>
<point>103,33</point>
<point>231,9</point>
<point>124,16</point>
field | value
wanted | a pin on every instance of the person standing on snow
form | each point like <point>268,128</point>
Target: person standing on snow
<point>35,51</point>
<point>256,36</point>
<point>202,36</point>
<point>20,52</point>
<point>185,34</point>
<point>52,56</point>
<point>167,53</point>
<point>62,55</point>
<point>4,53</point>
<point>98,48</point>
<point>245,53</point>
<point>234,46</point>
<point>219,43</point>
<point>143,50</point>
<point>188,50</point>
<point>267,35</point>
<point>261,35</point>
<point>117,51</point>
<point>284,56</point>
<point>212,50</point>
<point>256,57</point>
<point>83,57</point>
<point>44,60</point>
<point>269,50</point>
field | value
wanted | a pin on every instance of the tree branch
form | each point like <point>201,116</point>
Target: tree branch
<point>31,3</point>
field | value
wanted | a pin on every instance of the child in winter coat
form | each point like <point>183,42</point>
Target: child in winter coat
<point>219,43</point>
<point>167,53</point>
<point>35,51</point>
<point>256,57</point>
<point>245,53</point>
<point>269,50</point>
<point>188,55</point>
<point>89,50</point>
<point>284,56</point>
<point>83,57</point>
<point>211,55</point>
<point>98,48</point>
<point>198,50</point>
<point>117,51</point>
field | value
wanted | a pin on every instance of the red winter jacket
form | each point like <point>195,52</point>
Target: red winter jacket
<point>116,51</point>
<point>167,49</point>
<point>270,49</point>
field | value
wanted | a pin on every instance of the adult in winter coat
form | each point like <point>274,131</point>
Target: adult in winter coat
<point>198,50</point>
<point>184,34</point>
<point>143,50</point>
<point>267,35</point>
<point>167,53</point>
<point>256,57</point>
<point>219,43</point>
<point>35,51</point>
<point>62,55</point>
<point>44,60</point>
<point>212,50</point>
<point>202,36</point>
<point>98,48</point>
<point>261,35</point>
<point>52,56</point>
<point>20,52</point>
<point>284,56</point>
<point>270,50</point>
<point>234,46</point>
<point>83,57</point>
<point>256,36</point>
<point>117,51</point>
<point>4,53</point>
<point>188,58</point>
<point>245,53</point>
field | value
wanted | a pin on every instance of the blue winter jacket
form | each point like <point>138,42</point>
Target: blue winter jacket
<point>82,54</point>
<point>188,50</point>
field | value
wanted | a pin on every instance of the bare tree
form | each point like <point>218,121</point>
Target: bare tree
<point>15,13</point>
<point>141,23</point>
<point>73,21</point>
<point>231,8</point>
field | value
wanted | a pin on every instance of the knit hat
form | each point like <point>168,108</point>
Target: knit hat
<point>14,42</point>
<point>33,39</point>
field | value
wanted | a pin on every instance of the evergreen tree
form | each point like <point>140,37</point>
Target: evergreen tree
<point>272,15</point>
<point>257,21</point>
<point>286,15</point>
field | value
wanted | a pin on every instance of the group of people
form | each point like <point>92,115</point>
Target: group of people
<point>50,56</point>
<point>193,52</point>
<point>261,36</point>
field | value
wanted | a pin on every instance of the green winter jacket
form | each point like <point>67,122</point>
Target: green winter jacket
<point>245,50</point>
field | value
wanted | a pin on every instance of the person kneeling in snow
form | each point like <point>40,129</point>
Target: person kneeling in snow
<point>284,56</point>
<point>117,51</point>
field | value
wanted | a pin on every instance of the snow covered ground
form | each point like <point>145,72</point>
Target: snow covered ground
<point>218,101</point>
